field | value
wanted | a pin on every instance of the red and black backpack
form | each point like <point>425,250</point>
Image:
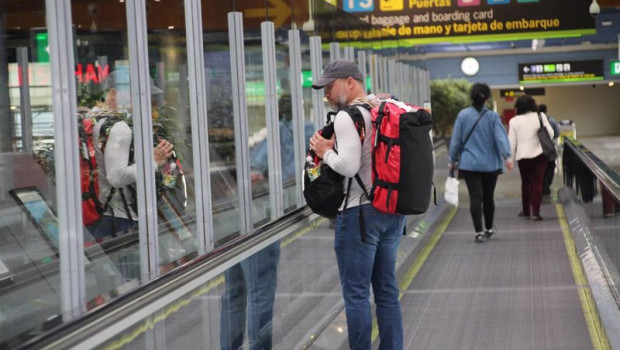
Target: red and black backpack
<point>402,158</point>
<point>402,162</point>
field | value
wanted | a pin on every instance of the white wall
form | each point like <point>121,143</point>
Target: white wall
<point>596,111</point>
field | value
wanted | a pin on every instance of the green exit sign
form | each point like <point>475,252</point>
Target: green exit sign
<point>615,67</point>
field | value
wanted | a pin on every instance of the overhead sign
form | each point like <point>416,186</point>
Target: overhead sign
<point>560,72</point>
<point>434,21</point>
<point>614,67</point>
<point>277,11</point>
<point>509,93</point>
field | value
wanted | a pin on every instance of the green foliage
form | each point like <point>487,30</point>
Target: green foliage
<point>88,98</point>
<point>448,97</point>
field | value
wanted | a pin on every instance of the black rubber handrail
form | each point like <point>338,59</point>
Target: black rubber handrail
<point>608,177</point>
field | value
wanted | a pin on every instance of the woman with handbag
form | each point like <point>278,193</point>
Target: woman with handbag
<point>525,144</point>
<point>479,145</point>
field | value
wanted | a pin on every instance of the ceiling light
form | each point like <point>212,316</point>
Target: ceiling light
<point>170,27</point>
<point>521,88</point>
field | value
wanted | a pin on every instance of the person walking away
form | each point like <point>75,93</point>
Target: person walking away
<point>550,169</point>
<point>525,145</point>
<point>372,261</point>
<point>479,145</point>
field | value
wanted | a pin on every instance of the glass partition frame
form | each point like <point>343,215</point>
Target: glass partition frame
<point>67,175</point>
<point>297,109</point>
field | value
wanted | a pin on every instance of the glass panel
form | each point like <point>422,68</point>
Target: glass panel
<point>307,89</point>
<point>255,94</point>
<point>106,162</point>
<point>220,120</point>
<point>274,299</point>
<point>285,114</point>
<point>29,258</point>
<point>176,196</point>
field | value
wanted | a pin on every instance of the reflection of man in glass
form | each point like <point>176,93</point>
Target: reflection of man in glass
<point>116,164</point>
<point>250,294</point>
<point>258,153</point>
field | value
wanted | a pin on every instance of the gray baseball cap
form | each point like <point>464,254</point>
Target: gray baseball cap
<point>338,69</point>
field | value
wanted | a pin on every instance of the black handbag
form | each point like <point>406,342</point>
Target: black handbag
<point>546,142</point>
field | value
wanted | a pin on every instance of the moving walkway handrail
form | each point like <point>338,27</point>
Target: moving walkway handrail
<point>606,175</point>
<point>157,293</point>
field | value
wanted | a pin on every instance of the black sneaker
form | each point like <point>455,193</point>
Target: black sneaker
<point>490,232</point>
<point>479,237</point>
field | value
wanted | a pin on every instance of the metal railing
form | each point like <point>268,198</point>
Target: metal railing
<point>582,169</point>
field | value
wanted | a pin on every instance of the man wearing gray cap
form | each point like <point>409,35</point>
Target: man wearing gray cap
<point>372,259</point>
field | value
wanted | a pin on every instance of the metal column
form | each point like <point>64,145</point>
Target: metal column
<point>334,51</point>
<point>240,112</point>
<point>68,194</point>
<point>299,129</point>
<point>274,158</point>
<point>363,64</point>
<point>374,73</point>
<point>198,115</point>
<point>316,64</point>
<point>143,139</point>
<point>25,112</point>
<point>349,53</point>
<point>391,68</point>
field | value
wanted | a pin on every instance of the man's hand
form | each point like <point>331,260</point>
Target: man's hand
<point>162,152</point>
<point>320,145</point>
<point>509,164</point>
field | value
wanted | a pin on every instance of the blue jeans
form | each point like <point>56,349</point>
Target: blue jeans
<point>250,288</point>
<point>111,226</point>
<point>361,264</point>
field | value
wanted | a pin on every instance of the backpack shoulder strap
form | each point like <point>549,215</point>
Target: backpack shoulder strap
<point>104,132</point>
<point>358,118</point>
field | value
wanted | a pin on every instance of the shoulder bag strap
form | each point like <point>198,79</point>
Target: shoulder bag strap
<point>540,121</point>
<point>471,132</point>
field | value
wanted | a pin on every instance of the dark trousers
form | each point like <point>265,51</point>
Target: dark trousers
<point>481,188</point>
<point>548,177</point>
<point>249,296</point>
<point>532,172</point>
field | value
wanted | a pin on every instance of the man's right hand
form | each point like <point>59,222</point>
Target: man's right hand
<point>162,152</point>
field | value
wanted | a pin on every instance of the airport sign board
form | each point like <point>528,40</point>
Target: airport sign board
<point>561,72</point>
<point>614,67</point>
<point>510,93</point>
<point>436,21</point>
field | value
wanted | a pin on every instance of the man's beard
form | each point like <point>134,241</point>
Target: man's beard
<point>340,102</point>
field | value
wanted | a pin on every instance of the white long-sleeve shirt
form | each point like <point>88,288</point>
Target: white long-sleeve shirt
<point>522,135</point>
<point>353,157</point>
<point>113,168</point>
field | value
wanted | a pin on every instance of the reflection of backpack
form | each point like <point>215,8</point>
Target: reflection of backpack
<point>91,208</point>
<point>169,180</point>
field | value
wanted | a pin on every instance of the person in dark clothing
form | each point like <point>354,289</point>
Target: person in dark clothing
<point>550,170</point>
